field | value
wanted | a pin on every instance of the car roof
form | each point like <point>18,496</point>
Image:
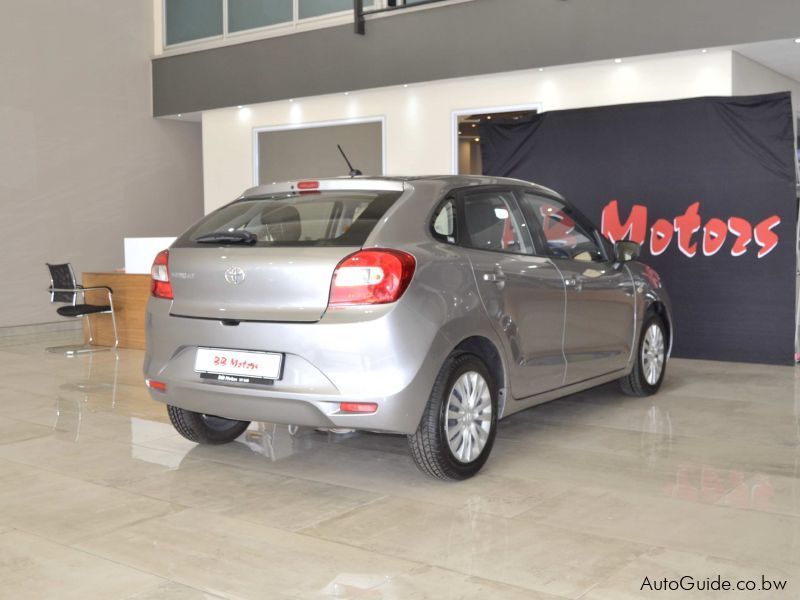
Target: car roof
<point>396,183</point>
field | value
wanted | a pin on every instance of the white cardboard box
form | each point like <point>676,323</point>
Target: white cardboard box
<point>140,252</point>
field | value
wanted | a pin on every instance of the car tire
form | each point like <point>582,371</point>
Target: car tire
<point>470,425</point>
<point>205,429</point>
<point>651,359</point>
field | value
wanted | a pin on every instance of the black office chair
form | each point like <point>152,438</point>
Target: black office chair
<point>64,290</point>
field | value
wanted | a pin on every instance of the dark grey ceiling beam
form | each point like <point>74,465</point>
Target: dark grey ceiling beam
<point>456,40</point>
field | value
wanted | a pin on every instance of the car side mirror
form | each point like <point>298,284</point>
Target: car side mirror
<point>625,251</point>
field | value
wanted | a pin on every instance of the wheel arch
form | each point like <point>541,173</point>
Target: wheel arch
<point>657,307</point>
<point>488,352</point>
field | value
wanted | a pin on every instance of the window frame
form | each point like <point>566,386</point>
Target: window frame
<point>460,193</point>
<point>165,45</point>
<point>536,231</point>
<point>294,25</point>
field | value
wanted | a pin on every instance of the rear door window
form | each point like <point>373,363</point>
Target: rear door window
<point>492,221</point>
<point>329,218</point>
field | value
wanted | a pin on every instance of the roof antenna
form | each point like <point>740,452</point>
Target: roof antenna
<point>353,172</point>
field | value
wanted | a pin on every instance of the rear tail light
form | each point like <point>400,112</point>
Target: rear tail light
<point>371,277</point>
<point>160,285</point>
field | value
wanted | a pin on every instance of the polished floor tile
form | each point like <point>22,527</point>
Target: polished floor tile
<point>174,591</point>
<point>688,573</point>
<point>258,497</point>
<point>12,430</point>
<point>434,583</point>
<point>530,555</point>
<point>225,555</point>
<point>583,497</point>
<point>92,459</point>
<point>674,523</point>
<point>35,568</point>
<point>65,509</point>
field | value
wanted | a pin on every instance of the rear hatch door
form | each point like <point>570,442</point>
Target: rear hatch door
<point>253,284</point>
<point>279,259</point>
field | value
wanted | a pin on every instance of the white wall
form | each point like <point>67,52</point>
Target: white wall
<point>419,117</point>
<point>751,77</point>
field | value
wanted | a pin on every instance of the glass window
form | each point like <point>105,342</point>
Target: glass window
<point>192,20</point>
<point>292,219</point>
<point>444,222</point>
<point>562,235</point>
<point>492,222</point>
<point>316,8</point>
<point>249,14</point>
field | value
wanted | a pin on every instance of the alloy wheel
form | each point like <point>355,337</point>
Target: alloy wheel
<point>468,416</point>
<point>653,354</point>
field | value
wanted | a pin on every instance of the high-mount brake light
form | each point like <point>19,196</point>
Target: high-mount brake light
<point>376,276</point>
<point>160,285</point>
<point>308,185</point>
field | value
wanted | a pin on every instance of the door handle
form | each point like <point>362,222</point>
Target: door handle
<point>574,283</point>
<point>497,277</point>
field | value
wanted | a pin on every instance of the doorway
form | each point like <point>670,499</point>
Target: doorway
<point>466,133</point>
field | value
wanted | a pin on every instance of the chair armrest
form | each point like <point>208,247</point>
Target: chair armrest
<point>96,287</point>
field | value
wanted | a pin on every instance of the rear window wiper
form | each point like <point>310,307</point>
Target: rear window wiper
<point>227,237</point>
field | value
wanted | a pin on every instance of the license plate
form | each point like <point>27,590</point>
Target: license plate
<point>238,366</point>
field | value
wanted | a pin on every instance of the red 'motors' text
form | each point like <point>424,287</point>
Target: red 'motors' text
<point>689,233</point>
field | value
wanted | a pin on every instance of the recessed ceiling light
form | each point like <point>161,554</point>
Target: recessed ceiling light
<point>347,93</point>
<point>405,85</point>
<point>797,41</point>
<point>704,50</point>
<point>474,125</point>
<point>617,60</point>
<point>291,99</point>
<point>477,139</point>
<point>541,69</point>
<point>489,117</point>
<point>240,106</point>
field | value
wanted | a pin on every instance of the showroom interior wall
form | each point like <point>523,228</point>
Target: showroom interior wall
<point>289,153</point>
<point>418,118</point>
<point>83,163</point>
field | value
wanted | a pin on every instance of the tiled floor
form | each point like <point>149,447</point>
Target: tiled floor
<point>583,497</point>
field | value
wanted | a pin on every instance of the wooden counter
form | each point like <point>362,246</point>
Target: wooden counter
<point>131,292</point>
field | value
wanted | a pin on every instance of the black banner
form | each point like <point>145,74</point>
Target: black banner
<point>707,185</point>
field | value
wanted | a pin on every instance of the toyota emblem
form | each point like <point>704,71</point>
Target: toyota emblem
<point>234,275</point>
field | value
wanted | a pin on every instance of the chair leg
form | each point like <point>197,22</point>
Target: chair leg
<point>113,321</point>
<point>74,350</point>
<point>89,327</point>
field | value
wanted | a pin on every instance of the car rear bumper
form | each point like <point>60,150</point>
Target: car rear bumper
<point>387,355</point>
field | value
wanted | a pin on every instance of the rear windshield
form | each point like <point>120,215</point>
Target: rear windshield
<point>299,219</point>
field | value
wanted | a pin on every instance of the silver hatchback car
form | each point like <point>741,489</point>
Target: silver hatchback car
<point>424,306</point>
